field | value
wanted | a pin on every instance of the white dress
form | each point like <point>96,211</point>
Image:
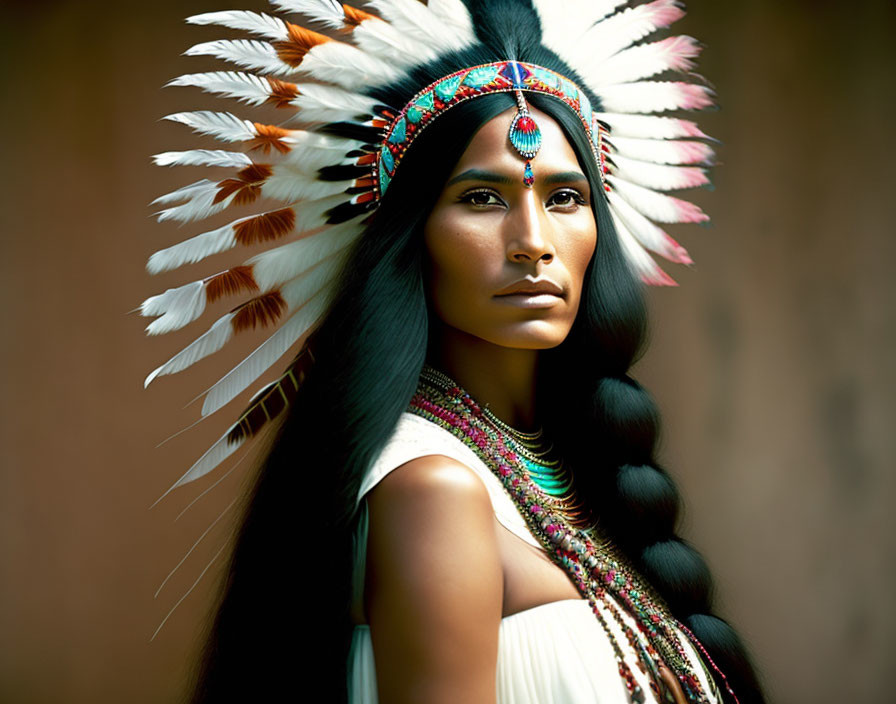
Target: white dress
<point>557,653</point>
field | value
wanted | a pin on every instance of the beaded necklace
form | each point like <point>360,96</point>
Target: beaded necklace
<point>542,465</point>
<point>593,564</point>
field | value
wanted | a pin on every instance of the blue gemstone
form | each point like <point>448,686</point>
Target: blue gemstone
<point>399,133</point>
<point>569,89</point>
<point>384,178</point>
<point>516,73</point>
<point>413,114</point>
<point>546,77</point>
<point>479,77</point>
<point>387,160</point>
<point>586,109</point>
<point>448,88</point>
<point>425,102</point>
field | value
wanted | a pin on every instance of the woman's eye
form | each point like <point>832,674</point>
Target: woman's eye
<point>567,198</point>
<point>481,198</point>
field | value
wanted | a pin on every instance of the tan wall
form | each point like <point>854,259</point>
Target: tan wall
<point>773,362</point>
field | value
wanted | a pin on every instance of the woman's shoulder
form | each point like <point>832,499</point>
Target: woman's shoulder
<point>415,437</point>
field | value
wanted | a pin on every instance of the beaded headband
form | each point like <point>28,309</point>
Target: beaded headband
<point>468,83</point>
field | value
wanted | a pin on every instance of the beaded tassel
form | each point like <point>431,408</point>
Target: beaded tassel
<point>593,566</point>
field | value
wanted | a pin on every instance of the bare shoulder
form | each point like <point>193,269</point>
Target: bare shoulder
<point>425,515</point>
<point>434,583</point>
<point>430,482</point>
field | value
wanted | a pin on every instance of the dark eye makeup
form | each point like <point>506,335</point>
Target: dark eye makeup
<point>563,198</point>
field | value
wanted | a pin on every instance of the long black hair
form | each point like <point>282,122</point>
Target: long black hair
<point>283,626</point>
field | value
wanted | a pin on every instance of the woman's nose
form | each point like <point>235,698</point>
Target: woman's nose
<point>530,232</point>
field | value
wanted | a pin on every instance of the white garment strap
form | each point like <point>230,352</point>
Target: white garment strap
<point>415,437</point>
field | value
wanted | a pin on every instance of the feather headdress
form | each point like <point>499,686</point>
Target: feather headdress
<point>321,171</point>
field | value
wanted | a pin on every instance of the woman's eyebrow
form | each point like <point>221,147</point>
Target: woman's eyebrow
<point>564,177</point>
<point>492,177</point>
<point>479,175</point>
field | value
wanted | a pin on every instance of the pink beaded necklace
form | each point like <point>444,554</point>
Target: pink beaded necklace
<point>593,564</point>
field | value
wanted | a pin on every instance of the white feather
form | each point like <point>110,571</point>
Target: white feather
<point>288,184</point>
<point>455,13</point>
<point>218,335</point>
<point>220,125</point>
<point>246,87</point>
<point>313,214</point>
<point>563,24</point>
<point>648,234</point>
<point>176,306</point>
<point>646,60</point>
<point>649,126</point>
<point>619,31</point>
<point>276,266</point>
<point>641,262</point>
<point>661,151</point>
<point>315,150</point>
<point>660,177</point>
<point>258,23</point>
<point>657,206</point>
<point>183,192</point>
<point>347,66</point>
<point>321,103</point>
<point>199,197</point>
<point>211,458</point>
<point>655,96</point>
<point>247,53</point>
<point>417,21</point>
<point>382,40</point>
<point>266,354</point>
<point>194,249</point>
<point>327,12</point>
<point>203,157</point>
<point>295,294</point>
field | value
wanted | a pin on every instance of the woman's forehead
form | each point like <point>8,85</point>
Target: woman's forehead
<point>491,149</point>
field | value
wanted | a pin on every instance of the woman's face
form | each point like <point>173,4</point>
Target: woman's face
<point>507,262</point>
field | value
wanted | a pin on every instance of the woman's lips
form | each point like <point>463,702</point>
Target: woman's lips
<point>531,300</point>
<point>532,287</point>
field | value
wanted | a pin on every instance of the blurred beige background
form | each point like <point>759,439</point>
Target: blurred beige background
<point>773,361</point>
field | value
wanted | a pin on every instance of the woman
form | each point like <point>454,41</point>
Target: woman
<point>496,261</point>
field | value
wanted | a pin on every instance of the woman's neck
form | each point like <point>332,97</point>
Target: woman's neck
<point>502,378</point>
